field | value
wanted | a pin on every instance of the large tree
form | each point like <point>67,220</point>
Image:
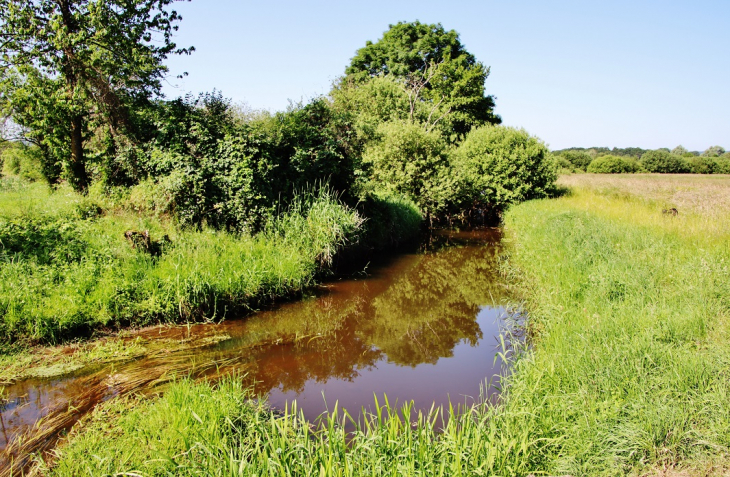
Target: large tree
<point>434,68</point>
<point>71,67</point>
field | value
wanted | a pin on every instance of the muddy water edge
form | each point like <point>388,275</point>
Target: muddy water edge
<point>422,326</point>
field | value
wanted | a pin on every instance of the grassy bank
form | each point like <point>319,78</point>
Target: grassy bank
<point>68,270</point>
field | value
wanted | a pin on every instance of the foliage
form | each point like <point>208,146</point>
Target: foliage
<point>594,152</point>
<point>23,161</point>
<point>702,165</point>
<point>204,167</point>
<point>392,220</point>
<point>76,66</point>
<point>406,159</point>
<point>579,159</point>
<point>722,165</point>
<point>680,151</point>
<point>714,151</point>
<point>564,165</point>
<point>613,165</point>
<point>497,166</point>
<point>663,162</point>
<point>435,68</point>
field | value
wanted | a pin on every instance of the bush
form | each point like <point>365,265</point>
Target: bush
<point>205,168</point>
<point>407,159</point>
<point>497,166</point>
<point>579,159</point>
<point>663,162</point>
<point>702,165</point>
<point>613,165</point>
<point>722,165</point>
<point>391,220</point>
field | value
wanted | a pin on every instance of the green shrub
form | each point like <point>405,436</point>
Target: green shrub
<point>207,169</point>
<point>391,220</point>
<point>579,159</point>
<point>722,165</point>
<point>702,165</point>
<point>613,165</point>
<point>663,162</point>
<point>409,160</point>
<point>496,166</point>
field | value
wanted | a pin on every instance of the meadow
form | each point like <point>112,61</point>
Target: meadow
<point>625,373</point>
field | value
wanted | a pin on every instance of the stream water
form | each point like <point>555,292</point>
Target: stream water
<point>421,326</point>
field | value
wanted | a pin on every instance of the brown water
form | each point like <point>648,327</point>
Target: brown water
<point>419,326</point>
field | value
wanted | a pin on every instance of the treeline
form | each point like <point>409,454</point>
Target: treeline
<point>410,118</point>
<point>602,160</point>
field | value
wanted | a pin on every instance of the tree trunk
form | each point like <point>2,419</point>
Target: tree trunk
<point>79,179</point>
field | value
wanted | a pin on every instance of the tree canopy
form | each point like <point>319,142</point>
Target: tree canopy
<point>72,67</point>
<point>434,68</point>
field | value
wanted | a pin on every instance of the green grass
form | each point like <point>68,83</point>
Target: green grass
<point>627,373</point>
<point>67,269</point>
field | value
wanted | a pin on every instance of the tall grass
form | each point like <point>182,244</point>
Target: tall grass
<point>68,270</point>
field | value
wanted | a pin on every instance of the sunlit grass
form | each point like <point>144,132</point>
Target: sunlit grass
<point>67,271</point>
<point>628,372</point>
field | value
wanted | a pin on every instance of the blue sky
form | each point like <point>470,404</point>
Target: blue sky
<point>574,73</point>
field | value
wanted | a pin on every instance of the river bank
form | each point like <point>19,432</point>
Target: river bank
<point>626,373</point>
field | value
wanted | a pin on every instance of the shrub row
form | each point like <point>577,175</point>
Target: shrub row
<point>658,161</point>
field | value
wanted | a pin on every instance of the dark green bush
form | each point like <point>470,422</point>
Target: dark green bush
<point>204,167</point>
<point>722,165</point>
<point>496,166</point>
<point>564,165</point>
<point>702,165</point>
<point>613,165</point>
<point>663,162</point>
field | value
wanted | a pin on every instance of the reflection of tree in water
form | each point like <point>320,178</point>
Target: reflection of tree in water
<point>417,313</point>
<point>432,307</point>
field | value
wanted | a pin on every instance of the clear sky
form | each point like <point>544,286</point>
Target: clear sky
<point>643,73</point>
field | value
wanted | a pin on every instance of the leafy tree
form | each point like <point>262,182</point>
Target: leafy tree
<point>680,151</point>
<point>74,66</point>
<point>702,165</point>
<point>434,68</point>
<point>407,159</point>
<point>714,151</point>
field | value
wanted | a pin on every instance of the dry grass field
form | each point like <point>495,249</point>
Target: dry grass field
<point>707,195</point>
